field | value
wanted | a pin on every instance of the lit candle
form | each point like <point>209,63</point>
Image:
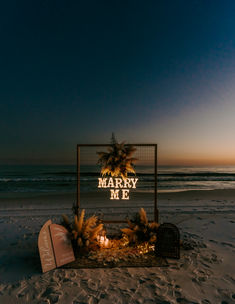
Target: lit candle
<point>106,242</point>
<point>103,241</point>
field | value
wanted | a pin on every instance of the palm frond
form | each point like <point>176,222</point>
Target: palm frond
<point>130,233</point>
<point>130,169</point>
<point>117,161</point>
<point>106,171</point>
<point>89,224</point>
<point>127,231</point>
<point>154,226</point>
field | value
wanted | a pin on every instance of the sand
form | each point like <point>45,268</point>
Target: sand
<point>205,274</point>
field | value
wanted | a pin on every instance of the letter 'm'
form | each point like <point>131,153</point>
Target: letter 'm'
<point>102,183</point>
<point>114,194</point>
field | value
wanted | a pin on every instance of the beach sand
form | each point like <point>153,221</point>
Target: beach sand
<point>205,274</point>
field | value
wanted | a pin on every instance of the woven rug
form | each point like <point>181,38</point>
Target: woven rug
<point>146,260</point>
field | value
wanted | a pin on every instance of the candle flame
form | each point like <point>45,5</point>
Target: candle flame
<point>103,240</point>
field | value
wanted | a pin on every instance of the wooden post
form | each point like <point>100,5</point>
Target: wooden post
<point>78,181</point>
<point>156,216</point>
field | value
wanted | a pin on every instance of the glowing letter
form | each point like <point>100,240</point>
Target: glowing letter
<point>118,183</point>
<point>134,181</point>
<point>127,183</point>
<point>110,183</point>
<point>102,182</point>
<point>125,194</point>
<point>114,194</point>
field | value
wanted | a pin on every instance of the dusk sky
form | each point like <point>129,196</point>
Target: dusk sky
<point>150,71</point>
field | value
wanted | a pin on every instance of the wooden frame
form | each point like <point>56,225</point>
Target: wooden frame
<point>156,213</point>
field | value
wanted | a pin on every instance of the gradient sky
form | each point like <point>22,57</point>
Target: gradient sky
<point>150,71</point>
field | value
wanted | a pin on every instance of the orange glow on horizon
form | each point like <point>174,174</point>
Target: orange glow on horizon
<point>200,161</point>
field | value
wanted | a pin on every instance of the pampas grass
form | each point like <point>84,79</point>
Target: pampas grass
<point>140,230</point>
<point>83,232</point>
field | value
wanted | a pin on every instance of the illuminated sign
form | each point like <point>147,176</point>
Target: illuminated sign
<point>120,186</point>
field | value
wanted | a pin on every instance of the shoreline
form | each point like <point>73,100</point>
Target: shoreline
<point>17,199</point>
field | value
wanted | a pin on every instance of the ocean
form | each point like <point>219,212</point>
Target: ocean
<point>63,179</point>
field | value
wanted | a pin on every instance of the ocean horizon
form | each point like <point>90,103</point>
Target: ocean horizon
<point>63,178</point>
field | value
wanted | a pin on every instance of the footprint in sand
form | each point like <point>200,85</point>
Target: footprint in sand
<point>228,244</point>
<point>185,301</point>
<point>213,241</point>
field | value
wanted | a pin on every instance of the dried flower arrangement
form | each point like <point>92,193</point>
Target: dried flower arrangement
<point>118,161</point>
<point>83,233</point>
<point>135,247</point>
<point>140,230</point>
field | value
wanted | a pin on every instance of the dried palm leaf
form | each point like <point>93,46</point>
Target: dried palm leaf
<point>153,226</point>
<point>129,169</point>
<point>94,233</point>
<point>127,231</point>
<point>130,233</point>
<point>143,217</point>
<point>90,223</point>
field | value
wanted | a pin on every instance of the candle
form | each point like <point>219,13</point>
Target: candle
<point>103,241</point>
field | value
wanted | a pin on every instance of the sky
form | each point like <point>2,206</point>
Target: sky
<point>151,71</point>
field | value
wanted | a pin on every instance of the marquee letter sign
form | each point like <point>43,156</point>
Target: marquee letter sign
<point>119,188</point>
